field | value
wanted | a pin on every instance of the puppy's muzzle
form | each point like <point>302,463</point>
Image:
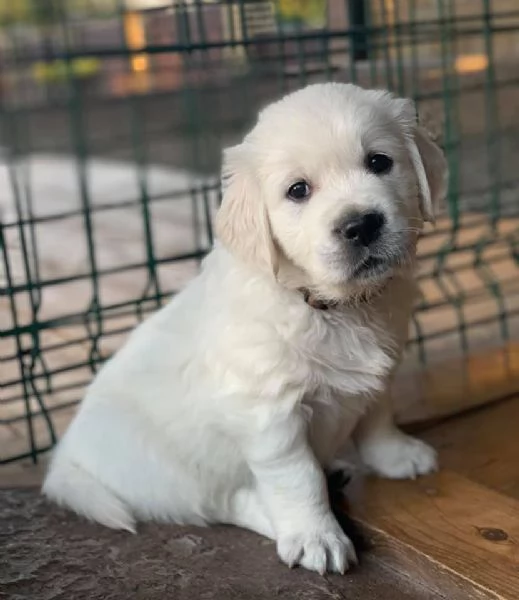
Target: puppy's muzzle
<point>361,230</point>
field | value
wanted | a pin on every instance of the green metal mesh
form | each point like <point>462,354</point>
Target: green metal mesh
<point>109,157</point>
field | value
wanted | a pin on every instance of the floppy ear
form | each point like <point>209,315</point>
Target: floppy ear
<point>431,171</point>
<point>242,222</point>
<point>427,159</point>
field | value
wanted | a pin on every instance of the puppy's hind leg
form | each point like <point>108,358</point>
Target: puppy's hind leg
<point>70,485</point>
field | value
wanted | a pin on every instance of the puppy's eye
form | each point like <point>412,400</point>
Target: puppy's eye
<point>378,164</point>
<point>299,191</point>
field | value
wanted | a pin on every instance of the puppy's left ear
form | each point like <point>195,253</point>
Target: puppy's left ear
<point>428,162</point>
<point>242,222</point>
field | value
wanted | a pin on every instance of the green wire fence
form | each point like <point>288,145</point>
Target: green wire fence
<point>112,118</point>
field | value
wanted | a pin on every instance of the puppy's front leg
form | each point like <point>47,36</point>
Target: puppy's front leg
<point>293,488</point>
<point>388,451</point>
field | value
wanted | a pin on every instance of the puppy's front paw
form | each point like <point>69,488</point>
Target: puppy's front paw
<point>327,548</point>
<point>399,456</point>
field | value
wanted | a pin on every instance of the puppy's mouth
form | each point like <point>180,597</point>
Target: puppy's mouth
<point>373,267</point>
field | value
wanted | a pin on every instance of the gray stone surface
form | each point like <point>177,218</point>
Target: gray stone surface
<point>47,553</point>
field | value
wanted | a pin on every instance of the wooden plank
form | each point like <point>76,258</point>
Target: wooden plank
<point>455,536</point>
<point>482,445</point>
<point>456,386</point>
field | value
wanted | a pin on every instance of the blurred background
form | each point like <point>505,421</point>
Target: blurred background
<point>113,114</point>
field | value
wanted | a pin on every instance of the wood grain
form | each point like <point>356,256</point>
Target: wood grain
<point>482,445</point>
<point>459,537</point>
<point>456,385</point>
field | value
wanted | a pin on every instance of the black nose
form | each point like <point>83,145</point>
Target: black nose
<point>363,229</point>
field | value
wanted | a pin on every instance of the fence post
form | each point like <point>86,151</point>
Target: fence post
<point>359,38</point>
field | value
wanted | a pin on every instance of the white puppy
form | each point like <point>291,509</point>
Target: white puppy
<point>226,405</point>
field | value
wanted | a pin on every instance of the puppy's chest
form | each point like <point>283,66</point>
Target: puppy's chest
<point>347,353</point>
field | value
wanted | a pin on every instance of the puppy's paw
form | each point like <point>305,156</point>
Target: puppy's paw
<point>326,549</point>
<point>399,456</point>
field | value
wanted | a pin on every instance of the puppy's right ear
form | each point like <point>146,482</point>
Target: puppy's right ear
<point>242,222</point>
<point>427,159</point>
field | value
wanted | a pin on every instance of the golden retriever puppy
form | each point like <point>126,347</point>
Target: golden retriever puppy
<point>228,404</point>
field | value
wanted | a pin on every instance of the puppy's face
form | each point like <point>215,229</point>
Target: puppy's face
<point>336,179</point>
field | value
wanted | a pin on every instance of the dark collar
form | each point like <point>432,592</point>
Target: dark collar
<point>315,302</point>
<point>319,304</point>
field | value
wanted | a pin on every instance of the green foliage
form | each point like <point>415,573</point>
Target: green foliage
<point>307,12</point>
<point>47,12</point>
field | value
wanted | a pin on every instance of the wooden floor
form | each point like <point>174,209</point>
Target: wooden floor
<point>457,531</point>
<point>483,446</point>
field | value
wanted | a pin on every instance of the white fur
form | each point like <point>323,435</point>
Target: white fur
<point>226,404</point>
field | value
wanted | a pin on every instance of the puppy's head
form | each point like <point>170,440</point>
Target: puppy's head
<point>335,181</point>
